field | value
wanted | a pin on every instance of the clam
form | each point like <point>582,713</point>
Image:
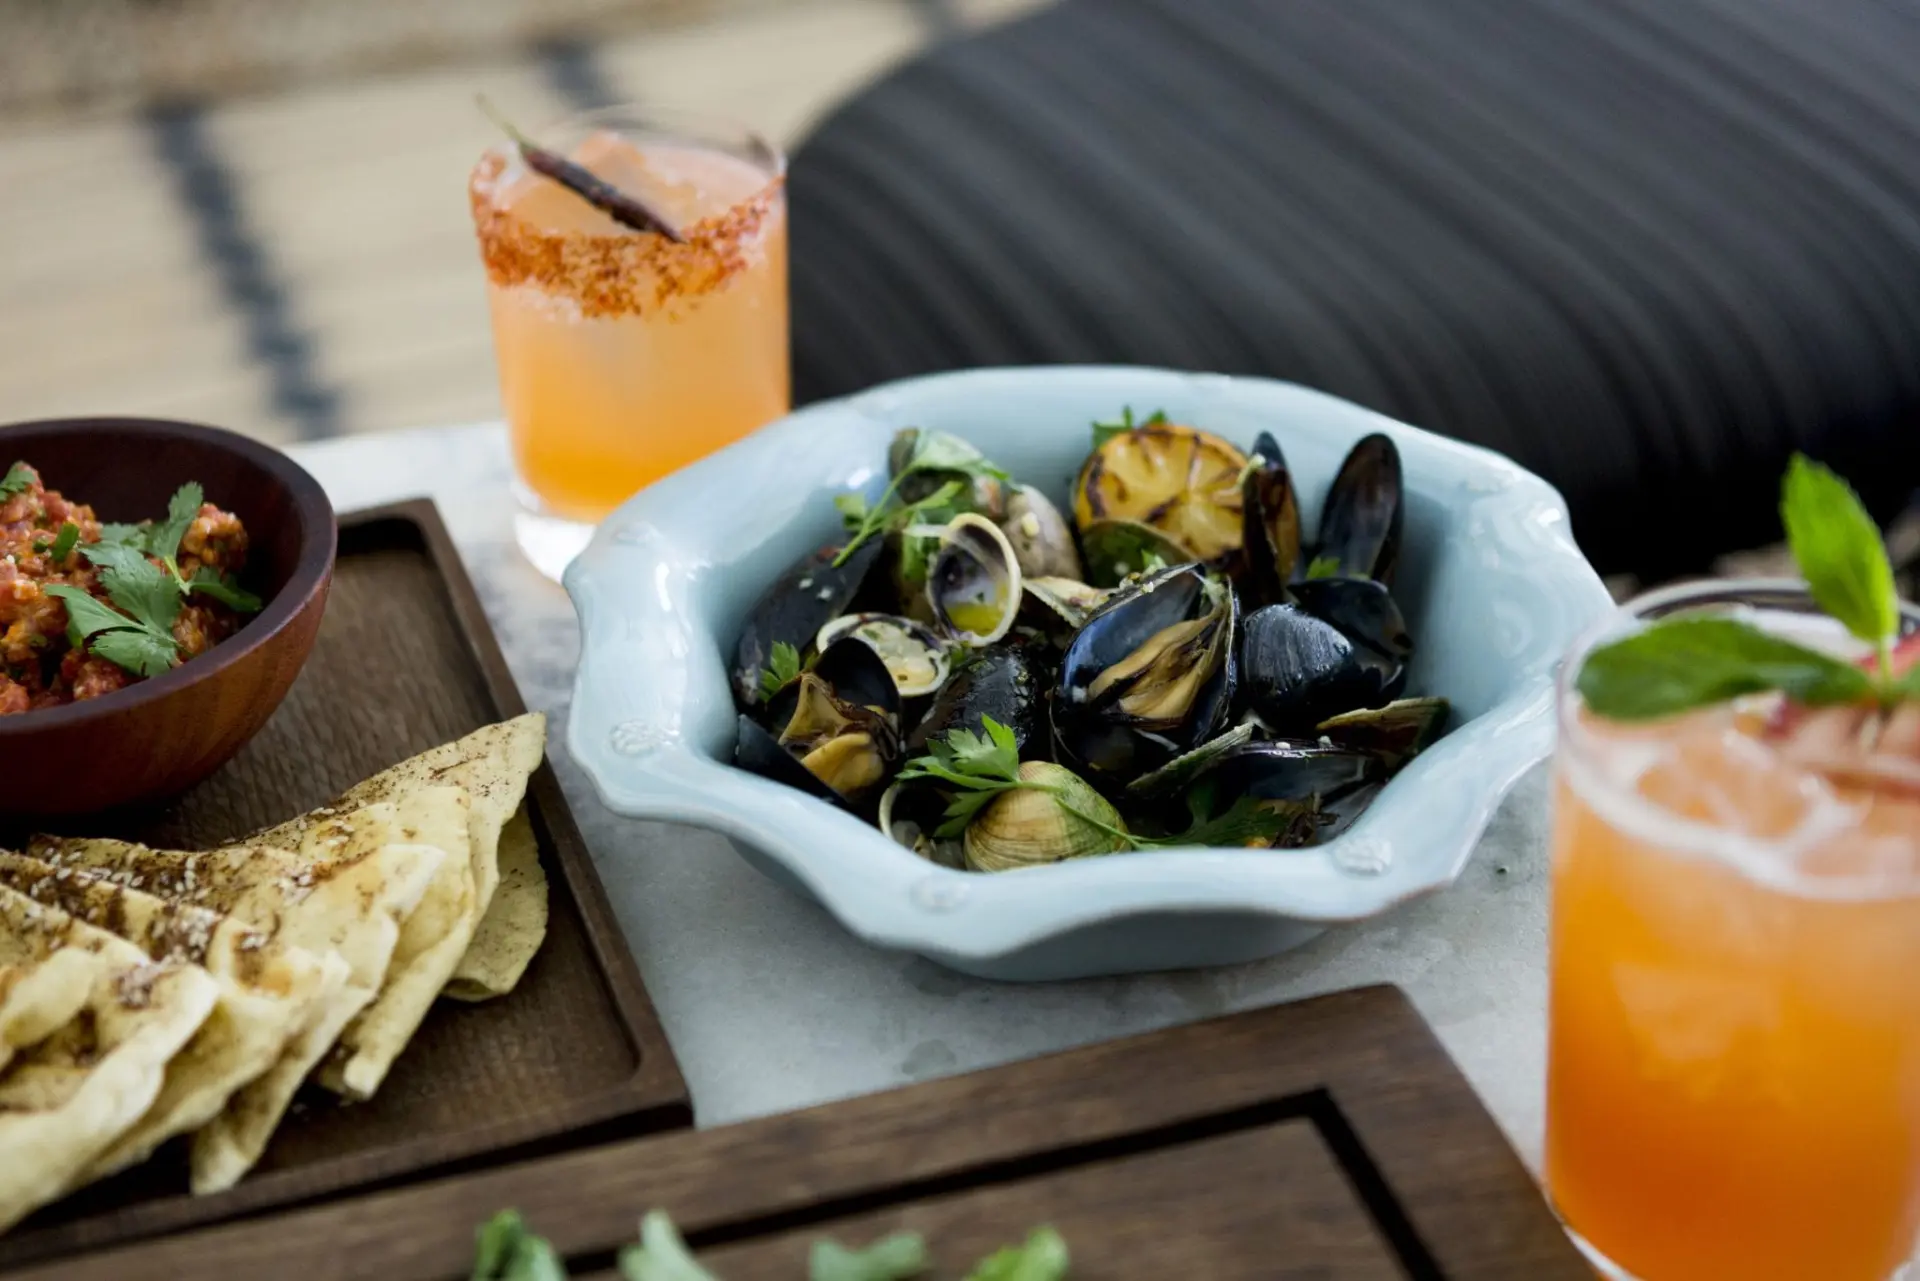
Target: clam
<point>1270,526</point>
<point>1043,823</point>
<point>838,722</point>
<point>917,657</point>
<point>1296,670</point>
<point>1149,677</point>
<point>793,610</point>
<point>1041,538</point>
<point>911,813</point>
<point>1117,550</point>
<point>973,584</point>
<point>1360,522</point>
<point>1000,683</point>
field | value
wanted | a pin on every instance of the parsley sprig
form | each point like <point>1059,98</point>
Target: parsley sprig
<point>136,632</point>
<point>1104,432</point>
<point>980,767</point>
<point>1679,664</point>
<point>935,454</point>
<point>783,667</point>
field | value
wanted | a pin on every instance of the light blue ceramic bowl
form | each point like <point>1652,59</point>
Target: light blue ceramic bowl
<point>1491,582</point>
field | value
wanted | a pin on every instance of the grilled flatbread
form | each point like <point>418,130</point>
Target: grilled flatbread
<point>513,928</point>
<point>269,994</point>
<point>37,998</point>
<point>67,1099</point>
<point>493,765</point>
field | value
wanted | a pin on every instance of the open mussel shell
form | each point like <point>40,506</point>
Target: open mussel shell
<point>1034,826</point>
<point>1056,608</point>
<point>1364,610</point>
<point>1270,526</point>
<point>1149,677</point>
<point>1042,540</point>
<point>760,752</point>
<point>1296,670</point>
<point>1117,550</point>
<point>1289,771</point>
<point>794,609</point>
<point>1361,519</point>
<point>1000,683</point>
<point>1177,773</point>
<point>974,582</point>
<point>1395,733</point>
<point>918,657</point>
<point>839,723</point>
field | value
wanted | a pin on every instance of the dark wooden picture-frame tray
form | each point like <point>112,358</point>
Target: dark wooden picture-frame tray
<point>1332,1139</point>
<point>405,661</point>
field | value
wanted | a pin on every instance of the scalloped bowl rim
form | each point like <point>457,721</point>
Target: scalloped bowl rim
<point>647,766</point>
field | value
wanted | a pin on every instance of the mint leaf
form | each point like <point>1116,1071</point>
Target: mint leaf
<point>206,581</point>
<point>115,532</point>
<point>505,1250</point>
<point>18,480</point>
<point>64,543</point>
<point>1680,664</point>
<point>163,540</point>
<point>85,615</point>
<point>136,650</point>
<point>1839,550</point>
<point>661,1254</point>
<point>783,667</point>
<point>1042,1258</point>
<point>893,1258</point>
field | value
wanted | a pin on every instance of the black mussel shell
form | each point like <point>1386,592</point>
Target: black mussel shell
<point>1360,523</point>
<point>760,752</point>
<point>1000,682</point>
<point>857,675</point>
<point>1364,610</point>
<point>1395,733</point>
<point>1096,732</point>
<point>1318,778</point>
<point>1296,670</point>
<point>793,610</point>
<point>1270,526</point>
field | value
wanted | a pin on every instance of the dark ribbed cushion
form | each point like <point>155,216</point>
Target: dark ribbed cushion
<point>1645,247</point>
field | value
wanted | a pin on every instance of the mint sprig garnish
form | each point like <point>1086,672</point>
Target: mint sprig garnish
<point>1679,664</point>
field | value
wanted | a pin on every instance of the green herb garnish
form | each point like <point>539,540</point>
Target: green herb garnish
<point>980,767</point>
<point>1678,664</point>
<point>935,453</point>
<point>114,532</point>
<point>783,667</point>
<point>1043,1257</point>
<point>661,1254</point>
<point>894,1258</point>
<point>62,546</point>
<point>18,480</point>
<point>506,1250</point>
<point>1104,432</point>
<point>1323,567</point>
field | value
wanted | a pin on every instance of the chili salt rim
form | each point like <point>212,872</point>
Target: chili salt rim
<point>610,275</point>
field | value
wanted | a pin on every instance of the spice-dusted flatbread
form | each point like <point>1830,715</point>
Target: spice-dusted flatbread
<point>37,998</point>
<point>514,926</point>
<point>432,940</point>
<point>67,1099</point>
<point>269,994</point>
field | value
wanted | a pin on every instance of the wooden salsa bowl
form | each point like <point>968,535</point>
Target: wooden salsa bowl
<point>159,737</point>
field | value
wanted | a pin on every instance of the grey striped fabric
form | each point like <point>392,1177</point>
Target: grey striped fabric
<point>1645,247</point>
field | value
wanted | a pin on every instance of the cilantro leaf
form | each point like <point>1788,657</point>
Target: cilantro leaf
<point>1679,664</point>
<point>1839,551</point>
<point>163,540</point>
<point>136,650</point>
<point>18,480</point>
<point>893,1258</point>
<point>1043,1257</point>
<point>209,582</point>
<point>115,532</point>
<point>85,615</point>
<point>63,544</point>
<point>783,667</point>
<point>505,1250</point>
<point>1324,567</point>
<point>661,1254</point>
<point>144,590</point>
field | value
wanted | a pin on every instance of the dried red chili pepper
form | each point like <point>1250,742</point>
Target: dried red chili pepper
<point>625,209</point>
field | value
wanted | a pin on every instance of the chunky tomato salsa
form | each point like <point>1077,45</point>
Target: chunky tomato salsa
<point>88,607</point>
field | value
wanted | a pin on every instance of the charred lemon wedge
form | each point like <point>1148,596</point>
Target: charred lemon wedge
<point>1179,480</point>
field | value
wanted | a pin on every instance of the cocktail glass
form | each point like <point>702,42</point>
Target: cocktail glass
<point>1734,1056</point>
<point>622,354</point>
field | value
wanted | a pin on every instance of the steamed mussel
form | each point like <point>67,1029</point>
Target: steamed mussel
<point>1182,663</point>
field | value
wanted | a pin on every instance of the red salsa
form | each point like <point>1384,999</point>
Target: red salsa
<point>44,542</point>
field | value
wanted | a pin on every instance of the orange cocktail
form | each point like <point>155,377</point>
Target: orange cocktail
<point>1734,1060</point>
<point>624,355</point>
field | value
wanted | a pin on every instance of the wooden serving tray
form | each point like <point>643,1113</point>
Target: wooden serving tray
<point>1332,1140</point>
<point>405,661</point>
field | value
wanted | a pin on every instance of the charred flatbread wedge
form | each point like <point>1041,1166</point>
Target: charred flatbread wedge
<point>432,939</point>
<point>67,1099</point>
<point>493,765</point>
<point>513,927</point>
<point>37,998</point>
<point>270,995</point>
